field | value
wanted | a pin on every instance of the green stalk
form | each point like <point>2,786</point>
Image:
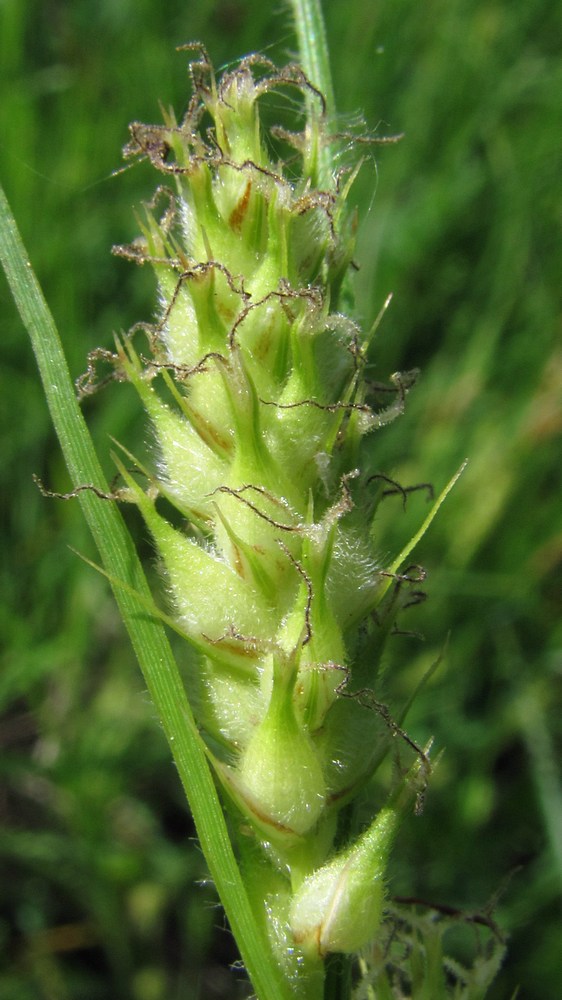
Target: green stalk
<point>315,60</point>
<point>147,634</point>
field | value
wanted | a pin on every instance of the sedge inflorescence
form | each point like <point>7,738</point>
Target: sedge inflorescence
<point>256,384</point>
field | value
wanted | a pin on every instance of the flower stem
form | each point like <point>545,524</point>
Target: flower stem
<point>147,634</point>
<point>315,61</point>
<point>337,985</point>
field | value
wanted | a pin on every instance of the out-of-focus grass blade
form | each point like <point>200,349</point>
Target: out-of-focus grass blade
<point>147,634</point>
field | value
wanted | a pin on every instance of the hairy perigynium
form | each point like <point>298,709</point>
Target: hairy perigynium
<point>257,390</point>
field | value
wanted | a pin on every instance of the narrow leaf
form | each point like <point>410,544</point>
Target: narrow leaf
<point>147,634</point>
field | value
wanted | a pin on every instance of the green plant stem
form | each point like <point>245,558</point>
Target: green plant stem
<point>147,634</point>
<point>337,984</point>
<point>315,61</point>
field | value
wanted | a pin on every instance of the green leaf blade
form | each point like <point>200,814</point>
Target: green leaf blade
<point>147,635</point>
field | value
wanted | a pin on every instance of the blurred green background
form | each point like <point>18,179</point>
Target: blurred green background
<point>102,889</point>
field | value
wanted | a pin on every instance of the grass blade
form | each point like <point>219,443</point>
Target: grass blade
<point>149,639</point>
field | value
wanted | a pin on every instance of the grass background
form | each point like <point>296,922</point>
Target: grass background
<point>103,889</point>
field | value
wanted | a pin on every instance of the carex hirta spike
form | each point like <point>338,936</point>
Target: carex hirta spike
<point>255,381</point>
